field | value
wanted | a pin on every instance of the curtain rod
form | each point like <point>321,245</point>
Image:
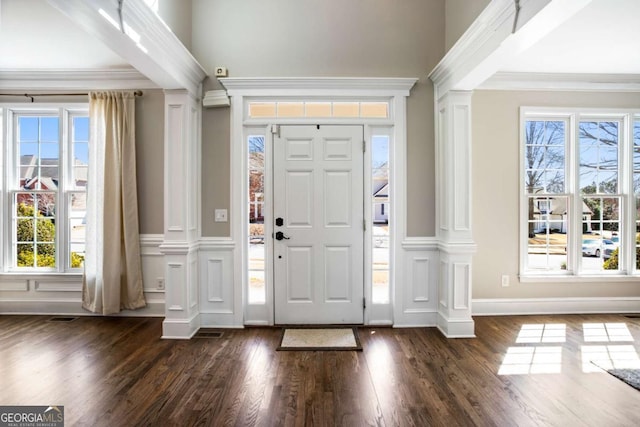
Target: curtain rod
<point>136,93</point>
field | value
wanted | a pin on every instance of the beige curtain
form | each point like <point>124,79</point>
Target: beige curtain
<point>113,274</point>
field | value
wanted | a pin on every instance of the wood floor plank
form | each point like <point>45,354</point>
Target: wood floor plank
<point>117,371</point>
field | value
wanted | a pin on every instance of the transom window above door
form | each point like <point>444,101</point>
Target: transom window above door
<point>318,109</point>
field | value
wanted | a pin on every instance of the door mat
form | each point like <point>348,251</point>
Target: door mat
<point>319,339</point>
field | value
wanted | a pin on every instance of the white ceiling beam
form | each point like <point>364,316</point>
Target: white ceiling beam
<point>146,43</point>
<point>490,42</point>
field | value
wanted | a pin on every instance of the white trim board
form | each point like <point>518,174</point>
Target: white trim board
<point>529,306</point>
<point>74,79</point>
<point>563,82</point>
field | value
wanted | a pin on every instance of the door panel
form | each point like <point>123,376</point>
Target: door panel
<point>318,191</point>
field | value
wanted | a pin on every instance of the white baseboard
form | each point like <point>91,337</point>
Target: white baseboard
<point>526,306</point>
<point>416,319</point>
<point>71,307</point>
<point>219,320</point>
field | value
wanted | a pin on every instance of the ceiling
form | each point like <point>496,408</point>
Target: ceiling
<point>600,38</point>
<point>34,35</point>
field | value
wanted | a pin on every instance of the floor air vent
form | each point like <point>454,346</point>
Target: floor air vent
<point>203,333</point>
<point>62,319</point>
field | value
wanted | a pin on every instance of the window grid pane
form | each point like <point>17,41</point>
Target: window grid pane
<point>598,157</point>
<point>601,225</point>
<point>35,235</point>
<point>545,157</point>
<point>77,228</point>
<point>547,230</point>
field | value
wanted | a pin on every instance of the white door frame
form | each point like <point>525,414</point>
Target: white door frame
<point>243,90</point>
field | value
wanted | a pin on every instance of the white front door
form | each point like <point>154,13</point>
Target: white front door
<point>318,208</point>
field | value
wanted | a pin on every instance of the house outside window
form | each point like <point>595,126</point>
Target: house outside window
<point>580,181</point>
<point>45,159</point>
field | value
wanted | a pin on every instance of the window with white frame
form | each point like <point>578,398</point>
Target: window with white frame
<point>581,192</point>
<point>45,163</point>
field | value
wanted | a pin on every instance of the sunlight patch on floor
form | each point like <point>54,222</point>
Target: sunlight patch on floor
<point>533,357</point>
<point>542,333</point>
<point>532,360</point>
<point>598,357</point>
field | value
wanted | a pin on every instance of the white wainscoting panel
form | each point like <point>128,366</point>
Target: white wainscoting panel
<point>50,294</point>
<point>418,291</point>
<point>217,296</point>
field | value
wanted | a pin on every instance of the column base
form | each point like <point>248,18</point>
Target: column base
<point>456,328</point>
<point>180,329</point>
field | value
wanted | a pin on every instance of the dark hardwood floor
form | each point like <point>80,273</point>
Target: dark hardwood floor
<point>118,372</point>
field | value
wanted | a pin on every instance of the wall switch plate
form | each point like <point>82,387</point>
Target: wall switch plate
<point>220,72</point>
<point>221,215</point>
<point>505,280</point>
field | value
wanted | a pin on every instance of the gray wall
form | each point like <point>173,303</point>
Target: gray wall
<point>177,15</point>
<point>459,15</point>
<point>150,160</point>
<point>322,38</point>
<point>495,139</point>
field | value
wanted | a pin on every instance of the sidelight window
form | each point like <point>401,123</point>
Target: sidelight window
<point>380,214</point>
<point>257,251</point>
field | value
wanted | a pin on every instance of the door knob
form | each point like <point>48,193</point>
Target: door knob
<point>280,236</point>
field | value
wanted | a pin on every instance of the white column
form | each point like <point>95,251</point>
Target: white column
<point>453,216</point>
<point>182,141</point>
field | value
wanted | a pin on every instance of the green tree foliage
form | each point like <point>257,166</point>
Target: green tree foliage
<point>32,224</point>
<point>612,262</point>
<point>77,260</point>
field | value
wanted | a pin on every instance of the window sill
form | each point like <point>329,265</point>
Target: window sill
<point>602,278</point>
<point>39,275</point>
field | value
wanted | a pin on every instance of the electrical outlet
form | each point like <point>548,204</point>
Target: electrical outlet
<point>160,283</point>
<point>505,280</point>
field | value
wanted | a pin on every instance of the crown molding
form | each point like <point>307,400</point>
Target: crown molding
<point>74,79</point>
<point>215,98</point>
<point>157,53</point>
<point>563,82</point>
<point>327,86</point>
